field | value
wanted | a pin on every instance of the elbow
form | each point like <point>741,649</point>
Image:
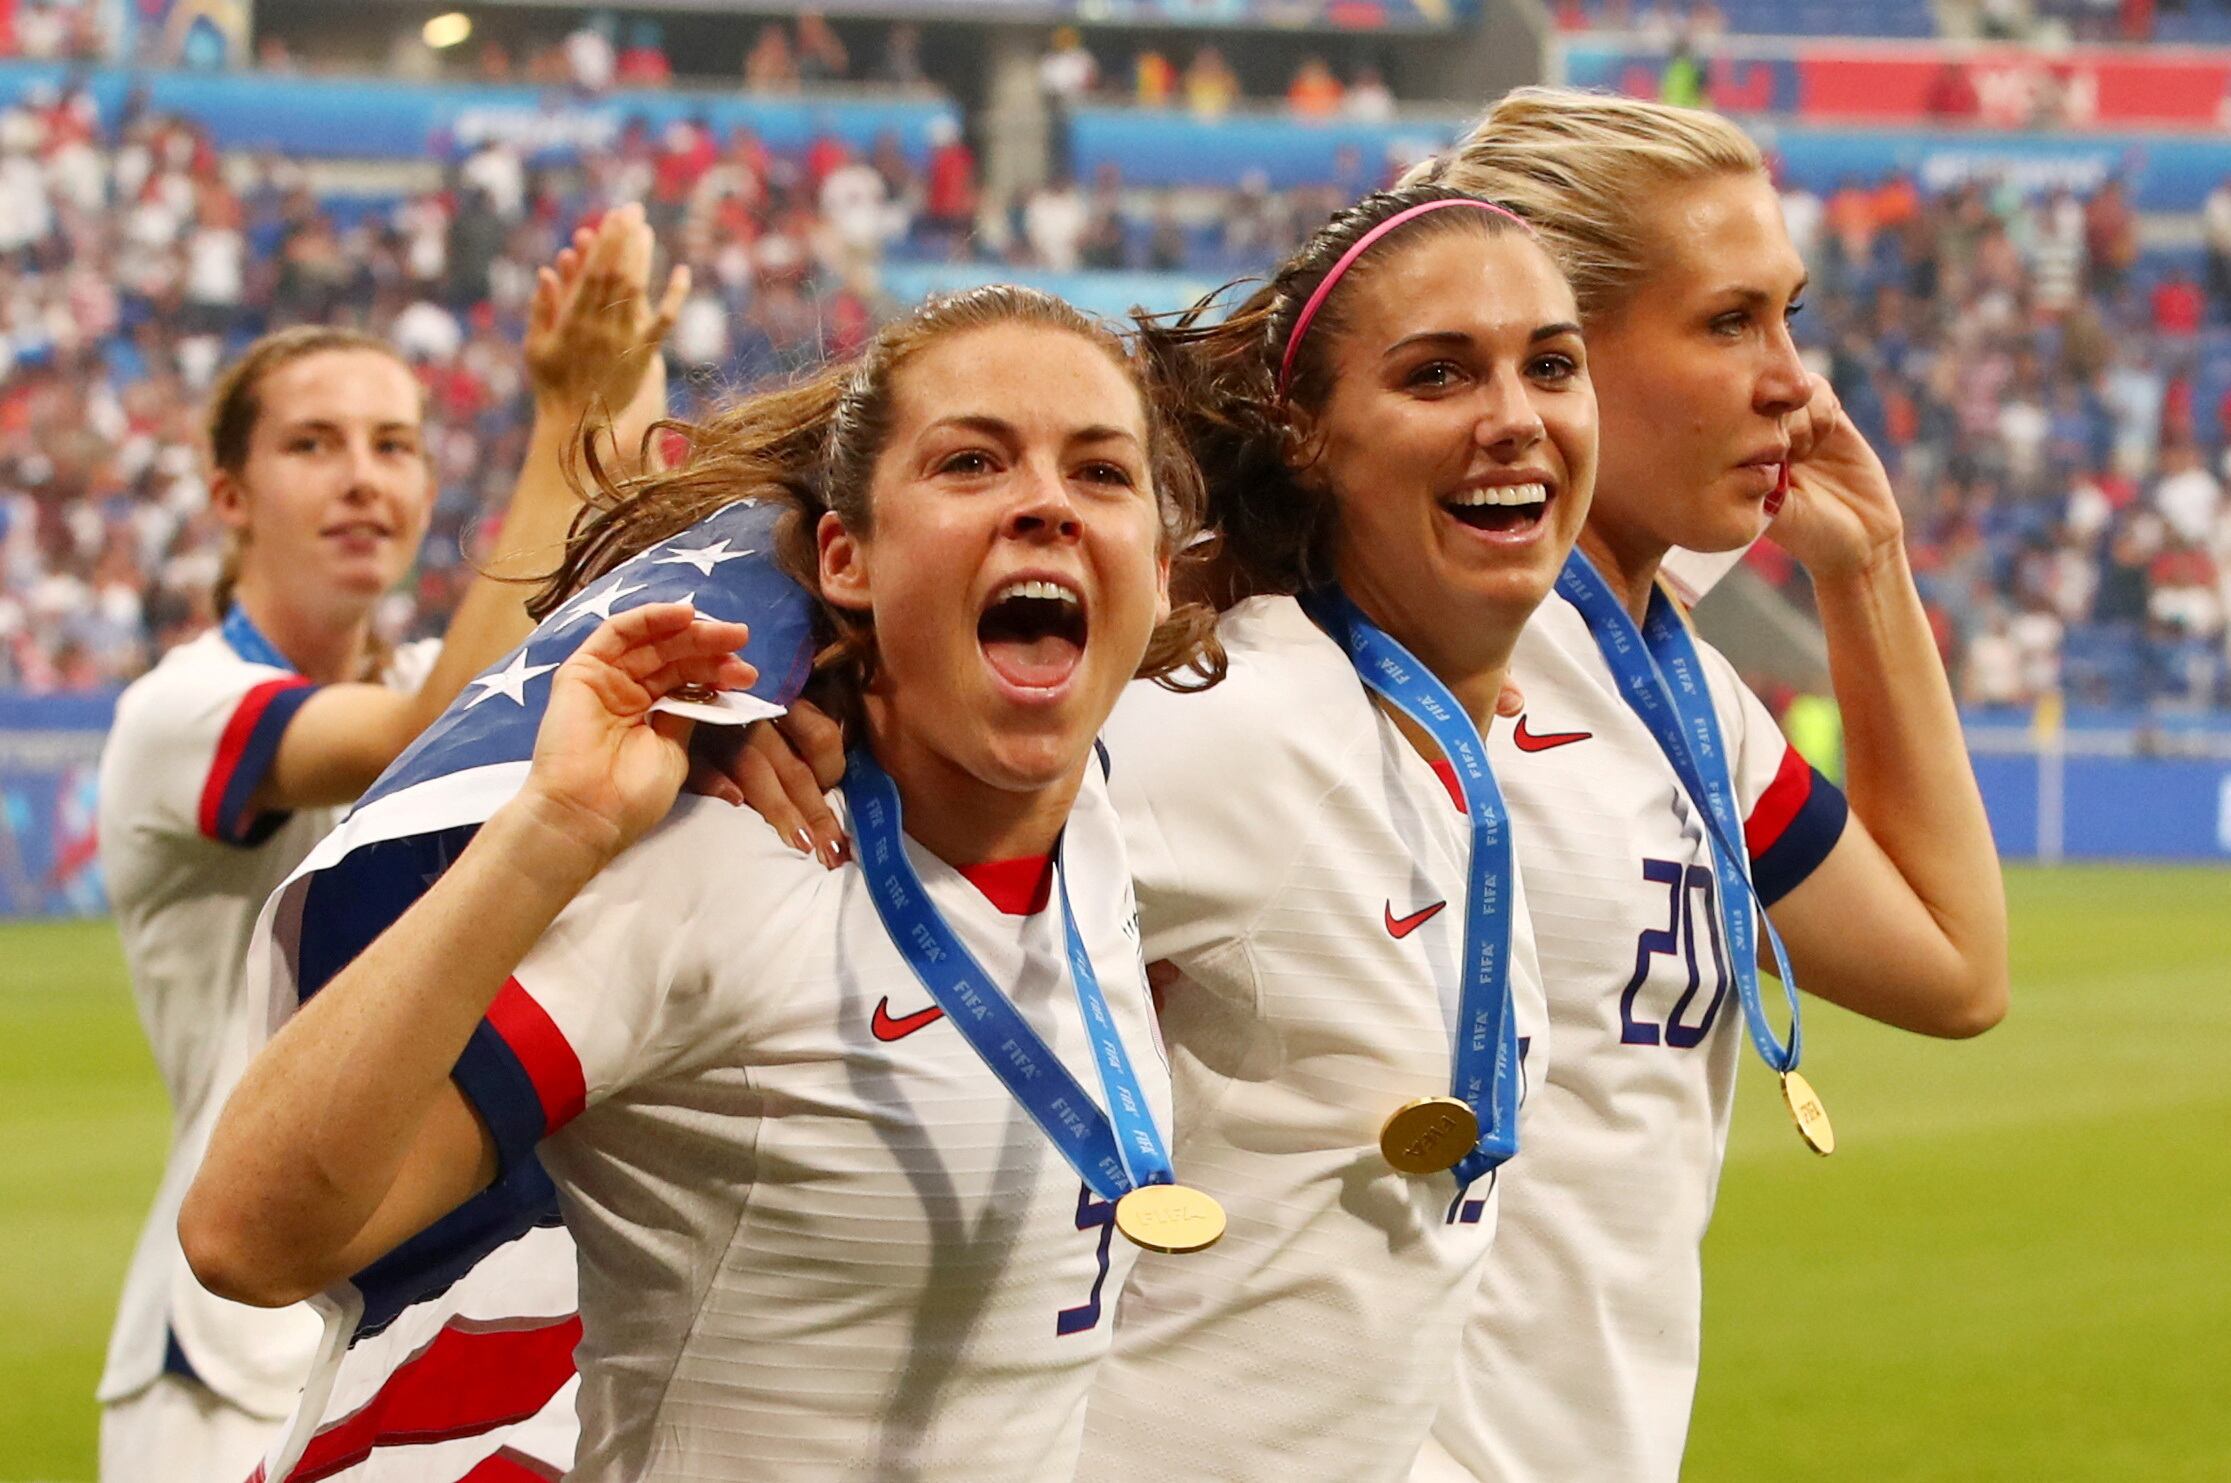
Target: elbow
<point>1980,1005</point>
<point>218,1239</point>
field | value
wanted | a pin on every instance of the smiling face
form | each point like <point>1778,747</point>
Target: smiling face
<point>1014,568</point>
<point>333,497</point>
<point>1697,370</point>
<point>1458,441</point>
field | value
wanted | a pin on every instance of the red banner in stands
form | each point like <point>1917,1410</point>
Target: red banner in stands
<point>2016,88</point>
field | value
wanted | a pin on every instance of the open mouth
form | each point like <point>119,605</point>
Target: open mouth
<point>1500,509</point>
<point>1033,633</point>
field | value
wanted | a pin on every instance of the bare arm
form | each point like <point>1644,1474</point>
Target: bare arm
<point>346,1135</point>
<point>592,344</point>
<point>1905,921</point>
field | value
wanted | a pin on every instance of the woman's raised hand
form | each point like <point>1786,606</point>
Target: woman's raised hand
<point>593,334</point>
<point>605,767</point>
<point>1841,515</point>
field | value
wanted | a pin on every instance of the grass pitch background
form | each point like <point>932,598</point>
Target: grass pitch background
<point>2017,1267</point>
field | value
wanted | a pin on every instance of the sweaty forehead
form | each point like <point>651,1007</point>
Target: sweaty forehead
<point>1721,233</point>
<point>1038,378</point>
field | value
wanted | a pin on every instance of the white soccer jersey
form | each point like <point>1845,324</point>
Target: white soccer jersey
<point>188,868</point>
<point>818,1237</point>
<point>1306,869</point>
<point>1581,1356</point>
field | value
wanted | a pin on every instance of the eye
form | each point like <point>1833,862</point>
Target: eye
<point>1434,375</point>
<point>969,463</point>
<point>1732,323</point>
<point>1100,471</point>
<point>1796,307</point>
<point>1554,367</point>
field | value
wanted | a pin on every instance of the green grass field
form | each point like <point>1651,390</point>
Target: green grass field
<point>2014,1268</point>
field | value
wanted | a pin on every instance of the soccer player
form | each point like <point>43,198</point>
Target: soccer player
<point>1580,1357</point>
<point>839,1198</point>
<point>1400,421</point>
<point>1398,434</point>
<point>231,757</point>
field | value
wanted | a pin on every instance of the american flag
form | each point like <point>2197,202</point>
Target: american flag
<point>451,1359</point>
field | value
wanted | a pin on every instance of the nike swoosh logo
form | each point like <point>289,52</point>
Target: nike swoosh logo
<point>1529,742</point>
<point>1404,926</point>
<point>887,1028</point>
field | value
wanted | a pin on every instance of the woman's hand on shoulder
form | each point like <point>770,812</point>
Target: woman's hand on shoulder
<point>782,770</point>
<point>606,767</point>
<point>1841,516</point>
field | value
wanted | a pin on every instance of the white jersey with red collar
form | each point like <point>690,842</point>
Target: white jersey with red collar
<point>1305,868</point>
<point>1581,1356</point>
<point>818,1238</point>
<point>188,866</point>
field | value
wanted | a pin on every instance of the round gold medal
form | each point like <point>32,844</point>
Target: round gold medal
<point>1429,1135</point>
<point>1170,1218</point>
<point>1812,1118</point>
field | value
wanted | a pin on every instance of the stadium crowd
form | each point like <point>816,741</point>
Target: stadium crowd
<point>2050,397</point>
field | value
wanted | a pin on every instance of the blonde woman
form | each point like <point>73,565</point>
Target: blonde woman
<point>1580,1358</point>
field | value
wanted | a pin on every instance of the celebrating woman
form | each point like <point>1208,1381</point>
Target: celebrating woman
<point>1657,807</point>
<point>231,758</point>
<point>843,1153</point>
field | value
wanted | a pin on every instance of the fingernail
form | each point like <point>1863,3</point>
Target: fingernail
<point>829,856</point>
<point>802,840</point>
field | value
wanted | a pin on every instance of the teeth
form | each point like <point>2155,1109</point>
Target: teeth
<point>1051,591</point>
<point>1504,494</point>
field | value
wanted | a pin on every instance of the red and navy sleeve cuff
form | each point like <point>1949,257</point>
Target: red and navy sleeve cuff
<point>1792,828</point>
<point>244,755</point>
<point>520,1074</point>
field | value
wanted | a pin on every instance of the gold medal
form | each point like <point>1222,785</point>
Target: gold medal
<point>1429,1135</point>
<point>1812,1118</point>
<point>1170,1218</point>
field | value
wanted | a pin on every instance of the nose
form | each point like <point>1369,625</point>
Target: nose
<point>364,471</point>
<point>1044,508</point>
<point>1783,386</point>
<point>1509,422</point>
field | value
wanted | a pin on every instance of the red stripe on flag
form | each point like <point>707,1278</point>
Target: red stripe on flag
<point>464,1383</point>
<point>509,1466</point>
<point>543,1053</point>
<point>1782,801</point>
<point>232,743</point>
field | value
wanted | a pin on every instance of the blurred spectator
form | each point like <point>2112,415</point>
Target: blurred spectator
<point>769,66</point>
<point>643,64</point>
<point>1369,100</point>
<point>1067,74</point>
<point>2215,219</point>
<point>1314,91</point>
<point>949,196</point>
<point>902,57</point>
<point>591,61</point>
<point>1054,219</point>
<point>1211,87</point>
<point>821,55</point>
<point>1153,79</point>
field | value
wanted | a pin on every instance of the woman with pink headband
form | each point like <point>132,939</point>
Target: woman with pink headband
<point>1401,439</point>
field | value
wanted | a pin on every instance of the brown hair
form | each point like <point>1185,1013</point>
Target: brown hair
<point>1276,530</point>
<point>1580,166</point>
<point>236,405</point>
<point>813,445</point>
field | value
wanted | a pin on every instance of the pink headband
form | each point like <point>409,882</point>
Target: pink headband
<point>1363,245</point>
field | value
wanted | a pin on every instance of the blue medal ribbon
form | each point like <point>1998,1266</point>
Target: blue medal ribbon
<point>1484,1071</point>
<point>1661,677</point>
<point>248,642</point>
<point>1115,1151</point>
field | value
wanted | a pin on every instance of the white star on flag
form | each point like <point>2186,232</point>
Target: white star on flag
<point>511,681</point>
<point>599,606</point>
<point>704,558</point>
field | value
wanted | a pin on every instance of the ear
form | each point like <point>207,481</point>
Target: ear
<point>844,566</point>
<point>230,501</point>
<point>1162,588</point>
